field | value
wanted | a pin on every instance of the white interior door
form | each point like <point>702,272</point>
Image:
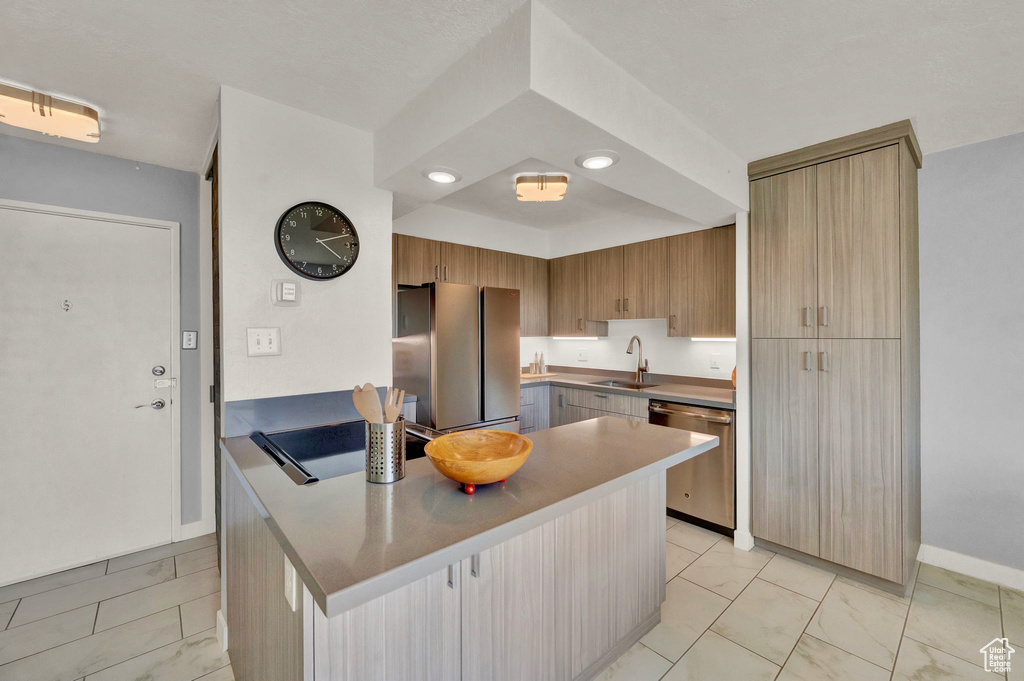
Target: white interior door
<point>88,309</point>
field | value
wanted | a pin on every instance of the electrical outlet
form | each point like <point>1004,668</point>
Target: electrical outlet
<point>581,355</point>
<point>263,342</point>
<point>716,360</point>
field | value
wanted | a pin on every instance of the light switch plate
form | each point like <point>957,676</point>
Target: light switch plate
<point>716,360</point>
<point>581,355</point>
<point>291,585</point>
<point>262,342</point>
<point>189,340</point>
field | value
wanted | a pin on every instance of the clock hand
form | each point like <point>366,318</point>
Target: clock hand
<point>320,241</point>
<point>328,248</point>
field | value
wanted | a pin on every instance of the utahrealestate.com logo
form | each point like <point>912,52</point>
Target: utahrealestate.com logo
<point>997,655</point>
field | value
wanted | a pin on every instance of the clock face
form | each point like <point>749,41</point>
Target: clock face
<point>317,241</point>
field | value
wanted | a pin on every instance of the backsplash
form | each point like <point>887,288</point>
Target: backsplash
<point>677,356</point>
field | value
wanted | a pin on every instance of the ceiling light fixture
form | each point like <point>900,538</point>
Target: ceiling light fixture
<point>49,115</point>
<point>597,160</point>
<point>541,187</point>
<point>442,175</point>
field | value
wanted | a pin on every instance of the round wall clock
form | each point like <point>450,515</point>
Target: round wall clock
<point>317,241</point>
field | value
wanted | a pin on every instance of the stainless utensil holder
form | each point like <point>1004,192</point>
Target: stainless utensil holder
<point>385,451</point>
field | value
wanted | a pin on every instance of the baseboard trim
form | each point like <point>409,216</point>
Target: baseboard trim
<point>743,540</point>
<point>595,670</point>
<point>197,529</point>
<point>222,631</point>
<point>972,567</point>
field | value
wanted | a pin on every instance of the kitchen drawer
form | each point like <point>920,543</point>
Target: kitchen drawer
<point>607,401</point>
<point>528,417</point>
<point>575,413</point>
<point>530,395</point>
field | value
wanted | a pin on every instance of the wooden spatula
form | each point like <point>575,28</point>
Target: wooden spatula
<point>367,403</point>
<point>393,404</point>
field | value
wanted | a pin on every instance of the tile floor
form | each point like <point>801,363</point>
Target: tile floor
<point>148,615</point>
<point>736,615</point>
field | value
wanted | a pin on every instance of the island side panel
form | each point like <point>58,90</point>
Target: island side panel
<point>265,637</point>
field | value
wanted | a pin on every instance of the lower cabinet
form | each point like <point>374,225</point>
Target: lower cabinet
<point>557,603</point>
<point>569,405</point>
<point>534,412</point>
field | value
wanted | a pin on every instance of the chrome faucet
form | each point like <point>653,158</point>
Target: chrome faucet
<point>641,363</point>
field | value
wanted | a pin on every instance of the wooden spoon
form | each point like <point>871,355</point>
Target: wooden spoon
<point>393,404</point>
<point>367,403</point>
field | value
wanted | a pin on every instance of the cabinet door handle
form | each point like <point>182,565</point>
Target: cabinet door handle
<point>824,361</point>
<point>603,397</point>
<point>437,274</point>
<point>579,324</point>
<point>807,361</point>
<point>446,272</point>
<point>474,565</point>
<point>561,400</point>
<point>625,305</point>
<point>618,301</point>
<point>672,322</point>
<point>807,317</point>
<point>824,315</point>
<point>453,576</point>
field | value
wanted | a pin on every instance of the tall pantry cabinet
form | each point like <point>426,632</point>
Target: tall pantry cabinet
<point>834,353</point>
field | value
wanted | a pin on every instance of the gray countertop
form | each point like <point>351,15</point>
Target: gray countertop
<point>352,541</point>
<point>697,395</point>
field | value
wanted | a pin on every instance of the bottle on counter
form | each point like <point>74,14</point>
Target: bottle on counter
<point>534,364</point>
<point>543,366</point>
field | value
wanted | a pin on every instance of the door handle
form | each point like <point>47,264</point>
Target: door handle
<point>561,400</point>
<point>672,322</point>
<point>155,404</point>
<point>692,415</point>
<point>474,565</point>
<point>579,324</point>
<point>807,361</point>
<point>807,317</point>
<point>824,315</point>
<point>824,361</point>
<point>618,301</point>
<point>437,274</point>
<point>453,577</point>
<point>446,272</point>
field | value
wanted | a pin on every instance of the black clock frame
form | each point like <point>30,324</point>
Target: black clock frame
<point>288,263</point>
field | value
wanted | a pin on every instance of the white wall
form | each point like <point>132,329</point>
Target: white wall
<point>972,350</point>
<point>458,226</point>
<point>272,157</point>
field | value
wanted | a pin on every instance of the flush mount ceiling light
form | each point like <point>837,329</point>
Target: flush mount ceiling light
<point>442,175</point>
<point>49,115</point>
<point>597,160</point>
<point>541,187</point>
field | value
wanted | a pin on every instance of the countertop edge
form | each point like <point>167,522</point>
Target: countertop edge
<point>653,395</point>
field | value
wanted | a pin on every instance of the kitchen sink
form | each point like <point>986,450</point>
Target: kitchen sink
<point>632,385</point>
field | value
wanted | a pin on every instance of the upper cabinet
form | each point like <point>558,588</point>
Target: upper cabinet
<point>460,264</point>
<point>783,255</point>
<point>604,284</point>
<point>415,261</point>
<point>533,317</point>
<point>645,280</point>
<point>566,296</point>
<point>702,284</point>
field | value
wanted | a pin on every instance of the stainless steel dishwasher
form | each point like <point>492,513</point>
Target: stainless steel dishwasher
<point>703,487</point>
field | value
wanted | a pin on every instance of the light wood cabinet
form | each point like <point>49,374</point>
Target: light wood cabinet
<point>784,443</point>
<point>603,300</point>
<point>569,405</point>
<point>702,283</point>
<point>645,280</point>
<point>783,255</point>
<point>835,446</point>
<point>460,264</point>
<point>567,296</point>
<point>859,245</point>
<point>415,261</point>
<point>860,455</point>
<point>534,290</point>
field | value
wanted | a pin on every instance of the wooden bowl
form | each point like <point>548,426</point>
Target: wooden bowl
<point>478,457</point>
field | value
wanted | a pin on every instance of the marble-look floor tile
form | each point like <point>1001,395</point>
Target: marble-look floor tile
<point>194,561</point>
<point>725,569</point>
<point>766,619</point>
<point>74,596</point>
<point>791,574</point>
<point>860,622</point>
<point>183,660</point>
<point>91,654</point>
<point>6,612</point>
<point>38,585</point>
<point>677,558</point>
<point>1016,672</point>
<point>1013,616</point>
<point>962,585</point>
<point>639,663</point>
<point>692,537</point>
<point>136,604</point>
<point>715,657</point>
<point>160,552</point>
<point>46,633</point>
<point>815,660</point>
<point>875,590</point>
<point>953,624</point>
<point>200,614</point>
<point>670,521</point>
<point>222,674</point>
<point>687,611</point>
<point>918,662</point>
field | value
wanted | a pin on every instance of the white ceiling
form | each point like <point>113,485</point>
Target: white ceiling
<point>762,77</point>
<point>586,204</point>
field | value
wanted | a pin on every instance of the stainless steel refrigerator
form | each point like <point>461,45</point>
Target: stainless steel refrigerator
<point>456,347</point>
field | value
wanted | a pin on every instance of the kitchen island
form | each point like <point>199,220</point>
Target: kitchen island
<point>550,575</point>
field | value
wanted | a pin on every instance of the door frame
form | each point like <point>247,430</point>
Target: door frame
<point>174,327</point>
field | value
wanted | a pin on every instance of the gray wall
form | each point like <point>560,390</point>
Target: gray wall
<point>38,172</point>
<point>972,349</point>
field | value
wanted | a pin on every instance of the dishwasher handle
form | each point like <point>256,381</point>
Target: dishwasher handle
<point>691,414</point>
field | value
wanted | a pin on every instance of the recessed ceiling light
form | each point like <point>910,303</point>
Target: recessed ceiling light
<point>49,115</point>
<point>442,175</point>
<point>597,160</point>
